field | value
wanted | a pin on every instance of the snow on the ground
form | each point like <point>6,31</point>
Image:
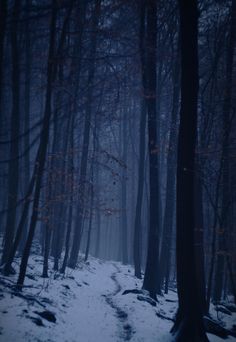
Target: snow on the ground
<point>142,315</point>
<point>88,304</point>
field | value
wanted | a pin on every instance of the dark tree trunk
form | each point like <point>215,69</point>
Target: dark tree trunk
<point>189,320</point>
<point>97,193</point>
<point>42,151</point>
<point>46,228</point>
<point>60,208</point>
<point>68,235</point>
<point>13,171</point>
<point>28,62</point>
<point>86,137</point>
<point>89,228</point>
<point>47,239</point>
<point>22,222</point>
<point>151,278</point>
<point>124,230</point>
<point>98,235</point>
<point>141,168</point>
<point>138,210</point>
<point>70,211</point>
<point>199,238</point>
<point>3,17</point>
<point>165,256</point>
<point>223,231</point>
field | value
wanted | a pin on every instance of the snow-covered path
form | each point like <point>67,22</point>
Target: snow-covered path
<point>88,305</point>
<point>79,302</point>
<point>126,329</point>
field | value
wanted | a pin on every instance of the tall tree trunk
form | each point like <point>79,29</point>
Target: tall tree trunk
<point>28,62</point>
<point>60,163</point>
<point>223,231</point>
<point>70,211</point>
<point>98,217</point>
<point>168,221</point>
<point>46,249</point>
<point>42,150</point>
<point>22,222</point>
<point>138,211</point>
<point>189,320</point>
<point>3,17</point>
<point>151,278</point>
<point>142,140</point>
<point>124,230</point>
<point>90,225</point>
<point>13,171</point>
<point>86,137</point>
<point>199,238</point>
<point>48,227</point>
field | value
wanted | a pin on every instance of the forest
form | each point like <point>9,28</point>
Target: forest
<point>117,170</point>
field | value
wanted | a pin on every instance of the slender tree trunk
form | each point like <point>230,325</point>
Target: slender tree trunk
<point>168,221</point>
<point>138,212</point>
<point>70,211</point>
<point>223,232</point>
<point>86,137</point>
<point>199,239</point>
<point>42,151</point>
<point>60,208</point>
<point>124,230</point>
<point>3,17</point>
<point>47,227</point>
<point>28,61</point>
<point>68,235</point>
<point>89,228</point>
<point>151,278</point>
<point>141,168</point>
<point>98,218</point>
<point>47,239</point>
<point>22,222</point>
<point>13,171</point>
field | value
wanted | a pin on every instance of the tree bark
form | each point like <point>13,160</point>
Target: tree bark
<point>141,168</point>
<point>27,90</point>
<point>42,150</point>
<point>124,230</point>
<point>223,231</point>
<point>13,171</point>
<point>151,278</point>
<point>168,221</point>
<point>86,137</point>
<point>189,320</point>
<point>3,17</point>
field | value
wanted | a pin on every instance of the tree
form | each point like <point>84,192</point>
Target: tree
<point>151,278</point>
<point>13,170</point>
<point>86,137</point>
<point>168,221</point>
<point>141,169</point>
<point>3,17</point>
<point>189,319</point>
<point>227,119</point>
<point>40,162</point>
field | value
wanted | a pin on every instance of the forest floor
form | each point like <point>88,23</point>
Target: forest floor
<point>87,305</point>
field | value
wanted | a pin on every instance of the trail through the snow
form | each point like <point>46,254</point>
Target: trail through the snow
<point>79,302</point>
<point>85,305</point>
<point>126,329</point>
